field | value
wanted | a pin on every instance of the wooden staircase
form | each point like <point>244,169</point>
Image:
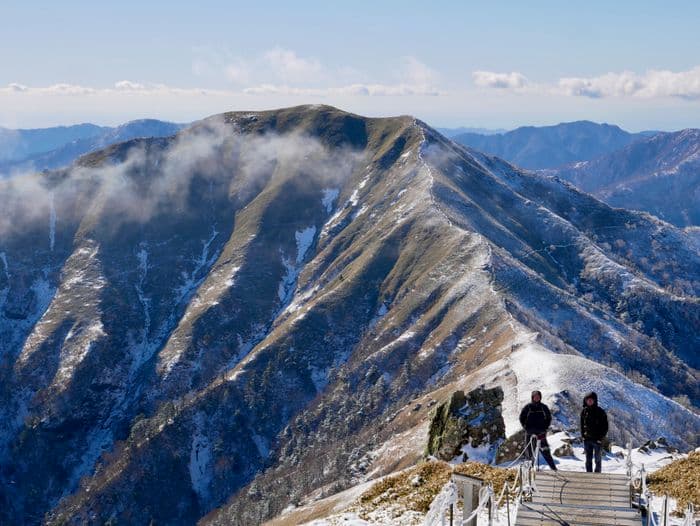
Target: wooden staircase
<point>567,498</point>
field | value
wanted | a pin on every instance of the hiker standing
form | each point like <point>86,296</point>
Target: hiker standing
<point>594,427</point>
<point>535,419</point>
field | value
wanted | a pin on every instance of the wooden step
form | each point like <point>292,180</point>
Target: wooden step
<point>581,475</point>
<point>531,514</point>
<point>583,490</point>
<point>620,503</point>
<point>576,483</point>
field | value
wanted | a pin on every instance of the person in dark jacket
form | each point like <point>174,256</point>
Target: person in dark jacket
<point>535,419</point>
<point>594,427</point>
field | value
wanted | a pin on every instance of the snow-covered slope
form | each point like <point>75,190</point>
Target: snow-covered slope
<point>658,174</point>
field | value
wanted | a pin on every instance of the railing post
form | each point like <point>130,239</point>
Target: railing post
<point>470,496</point>
<point>664,511</point>
<point>526,479</point>
<point>508,506</point>
<point>628,461</point>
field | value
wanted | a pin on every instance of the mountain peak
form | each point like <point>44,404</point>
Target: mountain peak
<point>200,316</point>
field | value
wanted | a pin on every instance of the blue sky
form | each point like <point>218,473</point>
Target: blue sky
<point>636,64</point>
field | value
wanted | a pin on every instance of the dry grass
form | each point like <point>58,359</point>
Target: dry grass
<point>680,480</point>
<point>489,474</point>
<point>415,488</point>
<point>399,489</point>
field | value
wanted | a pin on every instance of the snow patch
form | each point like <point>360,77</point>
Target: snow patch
<point>72,355</point>
<point>404,337</point>
<point>304,240</point>
<point>142,257</point>
<point>284,289</point>
<point>200,465</point>
<point>532,367</point>
<point>192,281</point>
<point>231,279</point>
<point>329,197</point>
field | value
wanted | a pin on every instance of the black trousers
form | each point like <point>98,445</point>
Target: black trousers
<point>544,449</point>
<point>593,448</point>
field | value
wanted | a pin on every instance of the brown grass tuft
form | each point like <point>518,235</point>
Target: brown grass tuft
<point>680,480</point>
<point>489,474</point>
<point>398,490</point>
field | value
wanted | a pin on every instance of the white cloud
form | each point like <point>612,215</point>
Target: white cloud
<point>348,90</point>
<point>289,66</point>
<point>652,84</point>
<point>413,78</point>
<point>237,73</point>
<point>128,85</point>
<point>625,84</point>
<point>491,79</point>
<point>417,73</point>
<point>17,87</point>
<point>281,71</point>
<point>69,89</point>
<point>123,87</point>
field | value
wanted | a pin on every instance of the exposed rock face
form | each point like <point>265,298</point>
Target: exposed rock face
<point>484,418</point>
<point>210,326</point>
<point>659,443</point>
<point>511,448</point>
<point>448,428</point>
<point>473,421</point>
<point>565,450</point>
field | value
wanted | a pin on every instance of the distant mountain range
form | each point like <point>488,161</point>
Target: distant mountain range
<point>205,328</point>
<point>20,144</point>
<point>551,146</point>
<point>42,149</point>
<point>658,174</point>
<point>454,132</point>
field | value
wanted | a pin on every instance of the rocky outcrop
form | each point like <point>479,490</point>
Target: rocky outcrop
<point>466,423</point>
<point>511,448</point>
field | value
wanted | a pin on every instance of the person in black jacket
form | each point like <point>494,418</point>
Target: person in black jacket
<point>594,427</point>
<point>535,419</point>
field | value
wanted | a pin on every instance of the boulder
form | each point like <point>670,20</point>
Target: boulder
<point>448,429</point>
<point>511,447</point>
<point>470,420</point>
<point>565,450</point>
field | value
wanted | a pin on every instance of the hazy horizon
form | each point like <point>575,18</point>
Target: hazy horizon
<point>470,126</point>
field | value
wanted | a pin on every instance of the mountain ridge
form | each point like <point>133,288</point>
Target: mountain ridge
<point>51,148</point>
<point>541,147</point>
<point>278,284</point>
<point>658,174</point>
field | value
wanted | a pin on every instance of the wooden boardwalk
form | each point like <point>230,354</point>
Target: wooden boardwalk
<point>579,499</point>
